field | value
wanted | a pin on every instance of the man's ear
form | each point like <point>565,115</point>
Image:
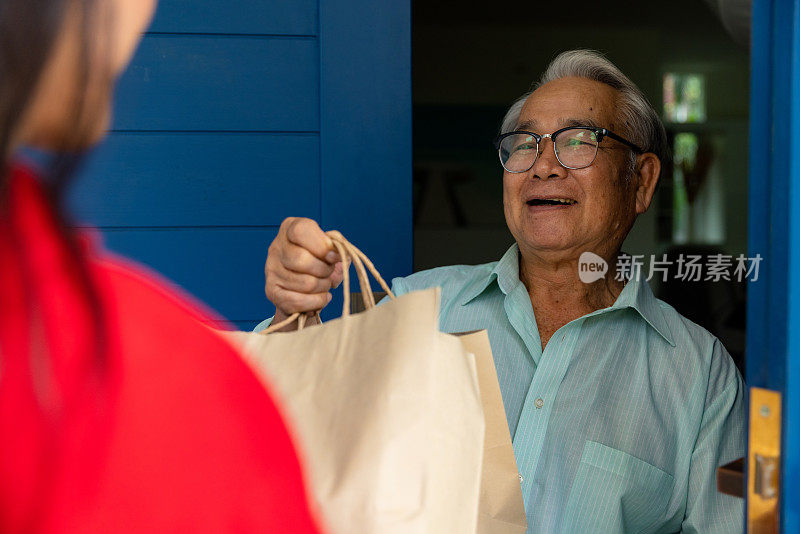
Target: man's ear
<point>648,168</point>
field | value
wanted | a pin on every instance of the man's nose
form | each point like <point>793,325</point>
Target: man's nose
<point>547,165</point>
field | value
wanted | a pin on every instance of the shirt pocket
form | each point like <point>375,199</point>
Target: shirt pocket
<point>616,492</point>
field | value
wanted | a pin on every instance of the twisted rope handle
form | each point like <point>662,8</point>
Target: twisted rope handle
<point>349,254</point>
<point>362,264</point>
<point>299,317</point>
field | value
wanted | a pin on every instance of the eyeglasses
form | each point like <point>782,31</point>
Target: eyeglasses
<point>575,147</point>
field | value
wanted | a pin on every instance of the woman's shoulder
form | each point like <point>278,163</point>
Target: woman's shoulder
<point>188,402</point>
<point>129,283</point>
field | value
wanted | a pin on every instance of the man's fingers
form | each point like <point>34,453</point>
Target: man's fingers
<point>293,302</point>
<point>303,283</point>
<point>337,276</point>
<point>300,260</point>
<point>307,234</point>
<point>301,267</point>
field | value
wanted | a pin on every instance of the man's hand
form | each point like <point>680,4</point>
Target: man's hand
<point>302,267</point>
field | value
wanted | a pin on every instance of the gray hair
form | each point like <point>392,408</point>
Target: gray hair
<point>641,124</point>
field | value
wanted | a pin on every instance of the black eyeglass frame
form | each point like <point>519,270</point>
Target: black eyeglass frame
<point>600,134</point>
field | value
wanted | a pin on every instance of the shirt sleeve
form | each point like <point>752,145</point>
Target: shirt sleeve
<point>263,324</point>
<point>721,440</point>
<point>399,287</point>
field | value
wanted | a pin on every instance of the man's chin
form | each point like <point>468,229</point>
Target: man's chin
<point>560,245</point>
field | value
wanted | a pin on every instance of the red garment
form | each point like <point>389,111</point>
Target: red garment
<point>166,431</point>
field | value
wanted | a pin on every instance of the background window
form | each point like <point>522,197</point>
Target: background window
<point>684,98</point>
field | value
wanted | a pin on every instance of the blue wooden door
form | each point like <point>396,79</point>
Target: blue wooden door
<point>773,325</point>
<point>233,116</point>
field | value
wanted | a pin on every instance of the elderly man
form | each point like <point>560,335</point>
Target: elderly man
<point>620,409</point>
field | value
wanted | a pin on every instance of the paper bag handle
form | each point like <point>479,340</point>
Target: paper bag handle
<point>349,253</point>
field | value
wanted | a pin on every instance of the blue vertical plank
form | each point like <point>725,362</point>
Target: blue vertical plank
<point>365,127</point>
<point>791,392</point>
<point>773,336</point>
<point>757,352</point>
<point>779,183</point>
<point>759,192</point>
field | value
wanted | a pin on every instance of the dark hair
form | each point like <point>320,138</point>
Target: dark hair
<point>29,32</point>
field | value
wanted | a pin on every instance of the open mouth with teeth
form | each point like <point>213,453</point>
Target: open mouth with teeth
<point>551,202</point>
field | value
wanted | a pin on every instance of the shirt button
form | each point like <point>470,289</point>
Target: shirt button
<point>538,403</point>
<point>520,477</point>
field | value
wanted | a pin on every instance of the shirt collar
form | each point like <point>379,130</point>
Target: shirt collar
<point>505,271</point>
<point>636,294</point>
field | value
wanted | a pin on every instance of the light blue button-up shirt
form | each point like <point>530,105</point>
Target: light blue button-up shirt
<point>620,423</point>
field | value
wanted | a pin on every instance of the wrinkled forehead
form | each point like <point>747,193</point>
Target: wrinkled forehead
<point>569,102</point>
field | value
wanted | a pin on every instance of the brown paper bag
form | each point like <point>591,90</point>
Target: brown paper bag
<point>501,509</point>
<point>385,411</point>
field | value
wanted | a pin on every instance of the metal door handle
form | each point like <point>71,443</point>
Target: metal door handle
<point>766,482</point>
